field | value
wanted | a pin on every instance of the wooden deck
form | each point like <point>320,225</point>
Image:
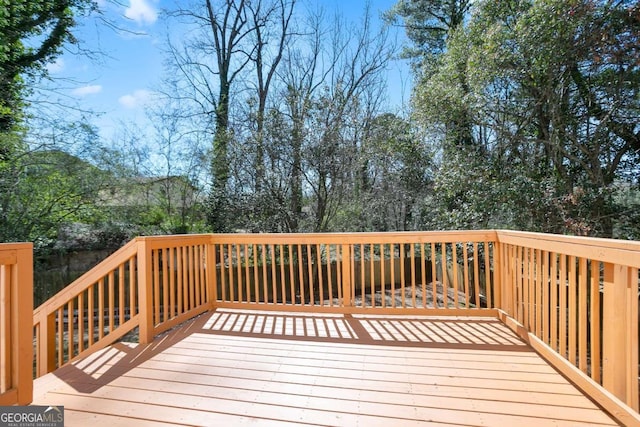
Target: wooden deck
<point>263,368</point>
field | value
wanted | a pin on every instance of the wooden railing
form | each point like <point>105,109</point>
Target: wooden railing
<point>94,311</point>
<point>152,283</point>
<point>426,273</point>
<point>174,281</point>
<point>16,308</point>
<point>155,283</point>
<point>575,300</point>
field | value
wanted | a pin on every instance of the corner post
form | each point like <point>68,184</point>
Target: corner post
<point>617,340</point>
<point>22,302</point>
<point>145,291</point>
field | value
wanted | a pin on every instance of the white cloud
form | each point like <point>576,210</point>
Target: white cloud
<point>87,90</point>
<point>141,11</point>
<point>136,99</point>
<point>56,66</point>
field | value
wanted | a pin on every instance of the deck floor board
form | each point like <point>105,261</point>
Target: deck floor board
<point>228,368</point>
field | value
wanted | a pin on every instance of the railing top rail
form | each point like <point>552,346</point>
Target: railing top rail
<point>157,242</point>
<point>14,246</point>
<point>358,238</point>
<point>621,252</point>
<point>90,277</point>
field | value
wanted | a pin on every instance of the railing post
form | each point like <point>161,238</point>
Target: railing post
<point>346,275</point>
<point>617,342</point>
<point>16,324</point>
<point>22,302</point>
<point>145,292</point>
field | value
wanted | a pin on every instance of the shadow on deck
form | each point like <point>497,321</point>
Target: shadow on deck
<point>233,367</point>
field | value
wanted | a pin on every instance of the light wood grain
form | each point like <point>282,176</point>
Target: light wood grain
<point>230,368</point>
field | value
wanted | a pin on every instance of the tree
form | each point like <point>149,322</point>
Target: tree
<point>271,21</point>
<point>35,193</point>
<point>209,63</point>
<point>394,176</point>
<point>179,166</point>
<point>32,35</point>
<point>331,96</point>
<point>302,107</point>
<point>430,25</point>
<point>46,187</point>
<point>552,89</point>
<point>574,102</point>
<point>301,77</point>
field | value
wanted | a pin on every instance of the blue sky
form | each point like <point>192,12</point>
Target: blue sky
<point>119,83</point>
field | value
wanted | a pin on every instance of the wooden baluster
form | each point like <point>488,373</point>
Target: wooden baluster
<point>310,275</point>
<point>265,276</point>
<point>111,282</point>
<point>121,294</point>
<point>434,276</point>
<point>595,323</point>
<point>256,280</point>
<point>476,275</point>
<point>247,273</point>
<point>465,272</point>
<point>454,274</point>
<point>319,274</point>
<point>412,257</point>
<point>401,256</point>
<point>488,252</point>
<point>383,278</point>
<point>572,310</point>
<point>212,276</point>
<point>554,301</point>
<point>156,286</point>
<point>582,315</point>
<point>544,284</point>
<point>166,294</point>
<point>329,270</point>
<point>301,280</point>
<point>283,290</point>
<point>423,277</point>
<point>372,276</point>
<point>90,313</point>
<point>346,276</point>
<point>563,306</point>
<point>186,288</point>
<point>81,322</point>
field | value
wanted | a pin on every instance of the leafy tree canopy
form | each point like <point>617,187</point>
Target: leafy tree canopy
<point>547,92</point>
<point>32,34</point>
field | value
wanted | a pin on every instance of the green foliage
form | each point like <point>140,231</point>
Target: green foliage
<point>548,90</point>
<point>397,176</point>
<point>429,25</point>
<point>32,34</point>
<point>47,189</point>
<point>39,190</point>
